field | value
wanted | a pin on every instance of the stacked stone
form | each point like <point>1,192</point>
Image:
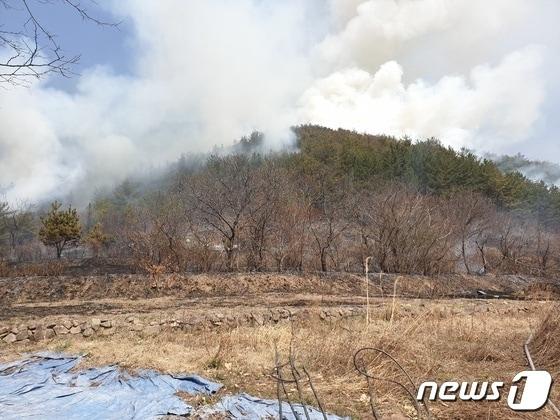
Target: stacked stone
<point>106,327</point>
<point>39,332</point>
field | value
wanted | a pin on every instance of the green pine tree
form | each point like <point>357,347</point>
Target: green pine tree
<point>60,228</point>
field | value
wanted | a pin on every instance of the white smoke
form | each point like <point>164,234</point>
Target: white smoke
<point>471,72</point>
<point>207,73</point>
<point>479,111</point>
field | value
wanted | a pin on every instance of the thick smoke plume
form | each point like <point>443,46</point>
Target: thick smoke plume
<point>472,73</point>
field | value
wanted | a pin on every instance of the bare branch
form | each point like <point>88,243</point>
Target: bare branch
<point>33,50</point>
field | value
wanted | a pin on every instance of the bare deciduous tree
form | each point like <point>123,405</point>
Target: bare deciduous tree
<point>471,212</point>
<point>331,218</point>
<point>271,186</point>
<point>157,234</point>
<point>221,197</point>
<point>30,49</point>
<point>405,231</point>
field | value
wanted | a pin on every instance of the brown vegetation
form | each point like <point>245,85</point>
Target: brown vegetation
<point>446,340</point>
<point>413,208</point>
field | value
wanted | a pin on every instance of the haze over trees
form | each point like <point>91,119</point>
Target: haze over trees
<point>413,207</point>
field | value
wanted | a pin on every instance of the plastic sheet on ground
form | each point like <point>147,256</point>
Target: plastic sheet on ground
<point>244,406</point>
<point>50,386</point>
<point>46,387</point>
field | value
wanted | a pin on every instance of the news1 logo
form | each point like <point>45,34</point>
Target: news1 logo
<point>536,391</point>
<point>533,396</point>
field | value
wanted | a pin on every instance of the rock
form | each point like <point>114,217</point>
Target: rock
<point>49,333</point>
<point>32,326</point>
<point>75,323</point>
<point>22,335</point>
<point>10,338</point>
<point>14,330</point>
<point>51,324</point>
<point>130,318</point>
<point>95,324</point>
<point>108,331</point>
<point>67,324</point>
<point>75,330</point>
<point>39,334</point>
<point>136,327</point>
<point>4,331</point>
<point>216,319</point>
<point>88,332</point>
<point>60,330</point>
<point>106,323</point>
<point>194,320</point>
<point>152,330</point>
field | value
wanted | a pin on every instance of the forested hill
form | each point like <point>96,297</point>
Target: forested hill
<point>426,165</point>
<point>326,204</point>
<point>368,160</point>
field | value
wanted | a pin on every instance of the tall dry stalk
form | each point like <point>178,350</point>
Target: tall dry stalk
<point>367,290</point>
<point>394,299</point>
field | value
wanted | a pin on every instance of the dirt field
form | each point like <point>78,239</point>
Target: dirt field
<point>438,329</point>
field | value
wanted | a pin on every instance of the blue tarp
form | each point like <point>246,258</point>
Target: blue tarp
<point>49,386</point>
<point>46,387</point>
<point>244,406</point>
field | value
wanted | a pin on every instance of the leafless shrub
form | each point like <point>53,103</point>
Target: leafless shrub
<point>406,232</point>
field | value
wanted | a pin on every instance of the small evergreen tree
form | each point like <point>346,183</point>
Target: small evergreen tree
<point>60,228</point>
<point>97,239</point>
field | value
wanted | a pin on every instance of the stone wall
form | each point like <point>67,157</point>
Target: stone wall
<point>47,330</point>
<point>106,326</point>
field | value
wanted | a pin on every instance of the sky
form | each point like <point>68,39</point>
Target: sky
<point>186,76</point>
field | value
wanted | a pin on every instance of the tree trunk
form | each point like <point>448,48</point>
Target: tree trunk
<point>483,256</point>
<point>323,261</point>
<point>464,253</point>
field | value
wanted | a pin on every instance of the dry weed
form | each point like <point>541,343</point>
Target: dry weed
<point>432,340</point>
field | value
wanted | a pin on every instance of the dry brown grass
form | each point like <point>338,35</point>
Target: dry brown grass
<point>46,268</point>
<point>432,340</point>
<point>545,346</point>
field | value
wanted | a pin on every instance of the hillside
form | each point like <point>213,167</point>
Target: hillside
<point>428,166</point>
<point>327,204</point>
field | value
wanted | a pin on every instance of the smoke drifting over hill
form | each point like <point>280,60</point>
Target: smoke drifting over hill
<point>535,170</point>
<point>473,73</point>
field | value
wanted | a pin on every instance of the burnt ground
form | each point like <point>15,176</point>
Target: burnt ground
<point>37,297</point>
